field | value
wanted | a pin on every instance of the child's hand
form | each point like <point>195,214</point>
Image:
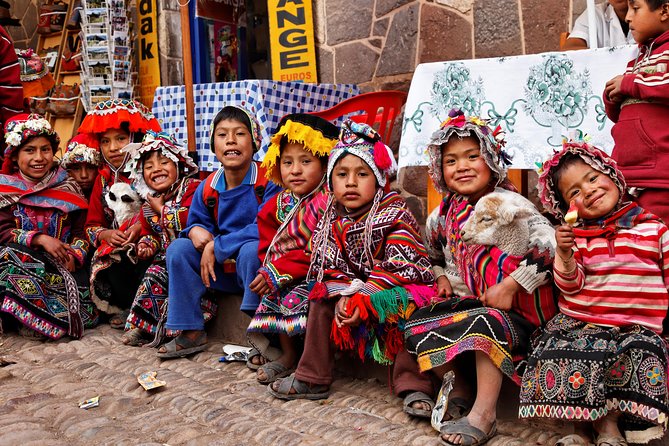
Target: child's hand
<point>156,202</point>
<point>564,238</point>
<point>113,236</point>
<point>501,295</point>
<point>71,264</point>
<point>200,237</point>
<point>53,246</point>
<point>207,264</point>
<point>612,89</point>
<point>341,314</point>
<point>444,288</point>
<point>132,233</point>
<point>145,250</point>
<point>259,285</point>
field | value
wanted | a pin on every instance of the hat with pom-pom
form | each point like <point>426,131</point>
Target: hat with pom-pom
<point>491,142</point>
<point>364,142</point>
<point>83,148</point>
<point>112,113</point>
<point>549,193</point>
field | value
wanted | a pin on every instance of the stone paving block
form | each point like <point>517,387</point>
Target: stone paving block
<point>19,435</point>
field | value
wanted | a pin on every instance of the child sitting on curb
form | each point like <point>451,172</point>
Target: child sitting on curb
<point>367,257</point>
<point>297,160</point>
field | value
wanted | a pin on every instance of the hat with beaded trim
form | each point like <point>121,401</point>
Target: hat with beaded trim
<point>318,136</point>
<point>82,148</point>
<point>22,127</point>
<point>111,114</point>
<point>250,120</point>
<point>548,190</point>
<point>167,145</point>
<point>491,143</point>
<point>364,142</point>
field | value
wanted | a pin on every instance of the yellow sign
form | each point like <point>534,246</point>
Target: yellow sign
<point>149,64</point>
<point>291,29</point>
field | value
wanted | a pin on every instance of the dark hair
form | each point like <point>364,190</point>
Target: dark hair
<point>53,140</point>
<point>284,141</point>
<point>566,161</point>
<point>235,114</point>
<point>655,4</point>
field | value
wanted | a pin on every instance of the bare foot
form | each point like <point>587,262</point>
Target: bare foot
<point>192,335</point>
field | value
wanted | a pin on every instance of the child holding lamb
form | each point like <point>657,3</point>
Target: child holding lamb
<point>485,332</point>
<point>602,359</point>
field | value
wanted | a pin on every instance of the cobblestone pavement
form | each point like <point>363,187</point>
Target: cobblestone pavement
<point>204,403</point>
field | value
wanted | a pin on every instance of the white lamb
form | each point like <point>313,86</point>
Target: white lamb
<point>505,219</point>
<point>124,201</point>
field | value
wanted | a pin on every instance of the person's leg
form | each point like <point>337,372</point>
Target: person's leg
<point>287,359</point>
<point>484,411</point>
<point>317,361</point>
<point>247,264</point>
<point>407,379</point>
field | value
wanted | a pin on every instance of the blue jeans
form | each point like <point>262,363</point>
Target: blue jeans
<point>186,288</point>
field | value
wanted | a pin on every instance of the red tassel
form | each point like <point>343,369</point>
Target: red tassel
<point>362,348</point>
<point>360,301</point>
<point>341,337</point>
<point>381,157</point>
<point>393,343</point>
<point>318,292</point>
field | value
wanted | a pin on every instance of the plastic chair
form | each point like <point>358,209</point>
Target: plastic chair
<point>377,109</point>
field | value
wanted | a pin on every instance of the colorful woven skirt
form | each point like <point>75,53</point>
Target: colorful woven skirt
<point>437,334</point>
<point>149,309</point>
<point>283,313</point>
<point>579,371</point>
<point>42,295</point>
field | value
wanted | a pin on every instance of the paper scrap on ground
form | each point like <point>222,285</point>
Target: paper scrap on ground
<point>148,381</point>
<point>91,402</point>
<point>229,349</point>
<point>441,404</point>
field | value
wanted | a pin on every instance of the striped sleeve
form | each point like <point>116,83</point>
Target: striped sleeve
<point>651,81</point>
<point>11,89</point>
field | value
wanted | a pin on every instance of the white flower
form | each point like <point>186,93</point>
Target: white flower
<point>13,139</point>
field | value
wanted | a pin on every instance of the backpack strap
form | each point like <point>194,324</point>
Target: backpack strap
<point>260,184</point>
<point>210,195</point>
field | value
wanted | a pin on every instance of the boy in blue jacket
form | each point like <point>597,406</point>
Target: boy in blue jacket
<point>221,228</point>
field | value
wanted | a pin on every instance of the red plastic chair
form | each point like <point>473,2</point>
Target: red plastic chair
<point>378,109</point>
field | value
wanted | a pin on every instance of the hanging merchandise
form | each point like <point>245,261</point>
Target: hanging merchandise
<point>106,51</point>
<point>225,51</point>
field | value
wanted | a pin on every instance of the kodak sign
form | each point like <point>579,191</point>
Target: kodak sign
<point>291,31</point>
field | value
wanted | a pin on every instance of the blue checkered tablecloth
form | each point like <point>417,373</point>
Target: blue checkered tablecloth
<point>269,100</point>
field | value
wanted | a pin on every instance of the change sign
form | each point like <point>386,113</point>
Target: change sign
<point>291,29</point>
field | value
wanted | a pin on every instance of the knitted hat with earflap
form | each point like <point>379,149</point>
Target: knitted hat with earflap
<point>316,134</point>
<point>364,142</point>
<point>157,142</point>
<point>461,126</point>
<point>549,194</point>
<point>83,148</point>
<point>242,115</point>
<point>21,128</point>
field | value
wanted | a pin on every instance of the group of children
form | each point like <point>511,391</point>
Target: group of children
<point>327,257</point>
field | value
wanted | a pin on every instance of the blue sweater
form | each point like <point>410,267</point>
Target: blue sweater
<point>237,213</point>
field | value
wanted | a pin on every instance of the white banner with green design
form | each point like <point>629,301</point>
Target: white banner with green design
<point>537,99</point>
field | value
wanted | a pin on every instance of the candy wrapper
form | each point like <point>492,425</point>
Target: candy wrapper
<point>235,357</point>
<point>92,402</point>
<point>148,381</point>
<point>441,405</point>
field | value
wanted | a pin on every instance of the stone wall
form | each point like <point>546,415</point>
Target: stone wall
<point>378,44</point>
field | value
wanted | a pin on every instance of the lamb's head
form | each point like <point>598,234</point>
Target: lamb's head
<point>124,201</point>
<point>499,219</point>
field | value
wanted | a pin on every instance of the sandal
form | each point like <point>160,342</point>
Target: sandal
<point>273,371</point>
<point>303,391</point>
<point>135,337</point>
<point>572,440</point>
<point>413,397</point>
<point>470,435</point>
<point>254,353</point>
<point>188,347</point>
<point>610,441</point>
<point>117,321</point>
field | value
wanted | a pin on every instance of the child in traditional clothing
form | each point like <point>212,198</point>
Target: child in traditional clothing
<point>82,160</point>
<point>115,277</point>
<point>162,173</point>
<point>484,330</point>
<point>221,229</point>
<point>297,160</point>
<point>369,263</point>
<point>602,359</point>
<point>42,280</point>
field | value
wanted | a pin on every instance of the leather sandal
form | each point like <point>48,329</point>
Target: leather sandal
<point>413,397</point>
<point>470,435</point>
<point>188,347</point>
<point>303,391</point>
